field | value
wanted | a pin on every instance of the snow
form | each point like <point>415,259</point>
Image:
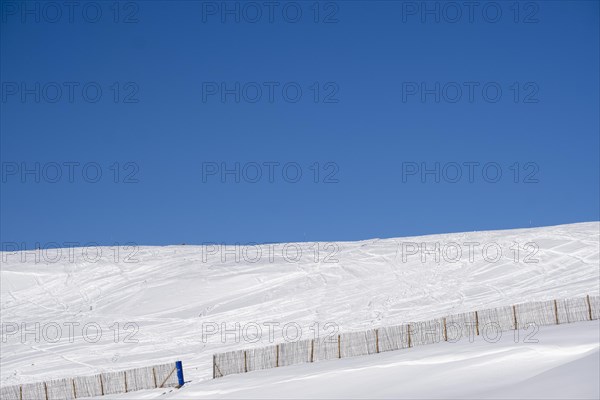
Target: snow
<point>171,292</point>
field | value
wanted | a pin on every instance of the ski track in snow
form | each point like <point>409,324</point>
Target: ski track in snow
<point>170,292</point>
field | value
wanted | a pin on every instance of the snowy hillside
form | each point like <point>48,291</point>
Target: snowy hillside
<point>162,298</point>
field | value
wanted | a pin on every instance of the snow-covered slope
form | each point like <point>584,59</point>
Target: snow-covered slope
<point>169,293</point>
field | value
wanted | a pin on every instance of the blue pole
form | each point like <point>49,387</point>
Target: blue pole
<point>179,367</point>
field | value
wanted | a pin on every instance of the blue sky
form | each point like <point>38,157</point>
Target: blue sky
<point>200,119</point>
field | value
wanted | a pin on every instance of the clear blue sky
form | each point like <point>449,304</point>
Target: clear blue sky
<point>375,121</point>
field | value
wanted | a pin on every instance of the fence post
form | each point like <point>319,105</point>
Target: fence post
<point>377,340</point>
<point>339,347</point>
<point>589,306</point>
<point>276,356</point>
<point>101,385</point>
<point>46,390</point>
<point>156,382</point>
<point>125,374</point>
<point>408,329</point>
<point>74,390</point>
<point>556,311</point>
<point>245,361</point>
<point>179,366</point>
<point>477,323</point>
<point>20,392</point>
<point>515,316</point>
<point>445,330</point>
<point>312,350</point>
<point>214,366</point>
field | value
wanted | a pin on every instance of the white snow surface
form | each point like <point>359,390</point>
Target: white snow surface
<point>170,292</point>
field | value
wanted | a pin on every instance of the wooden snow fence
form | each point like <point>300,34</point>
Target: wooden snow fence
<point>157,376</point>
<point>452,328</point>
